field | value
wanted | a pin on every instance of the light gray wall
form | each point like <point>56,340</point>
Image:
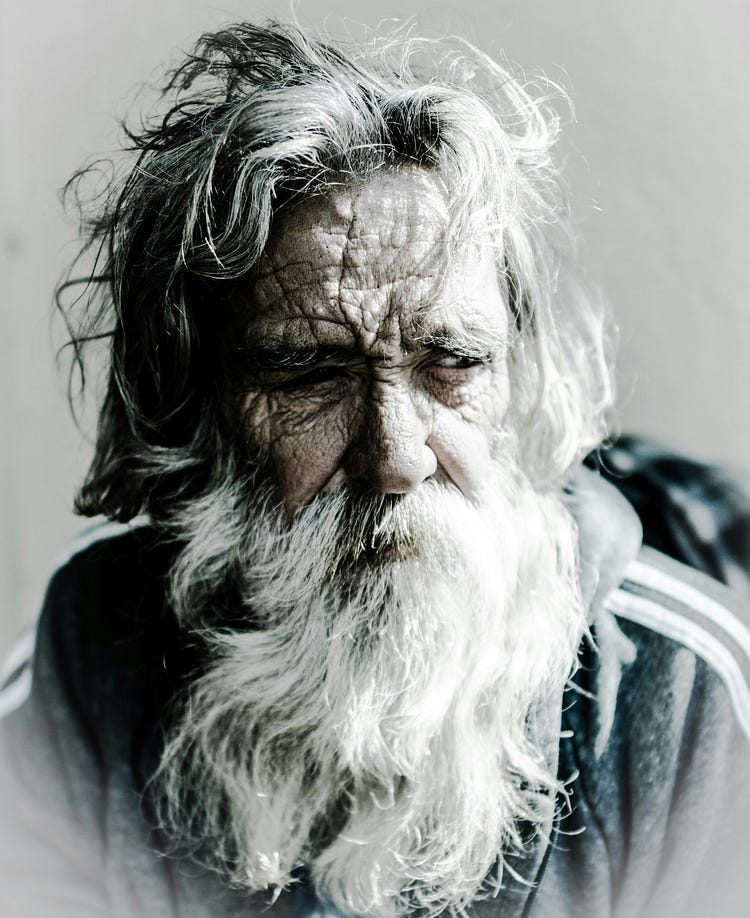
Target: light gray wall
<point>658,164</point>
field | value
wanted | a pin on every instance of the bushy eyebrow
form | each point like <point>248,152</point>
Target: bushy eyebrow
<point>474,344</point>
<point>477,345</point>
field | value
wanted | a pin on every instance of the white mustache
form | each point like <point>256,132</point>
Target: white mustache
<point>354,527</point>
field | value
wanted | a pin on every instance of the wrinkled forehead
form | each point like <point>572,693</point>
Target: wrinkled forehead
<point>365,226</point>
<point>372,260</point>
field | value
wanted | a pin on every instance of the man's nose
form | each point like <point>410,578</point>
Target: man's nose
<point>389,449</point>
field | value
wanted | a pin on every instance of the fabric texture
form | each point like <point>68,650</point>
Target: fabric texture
<point>653,729</point>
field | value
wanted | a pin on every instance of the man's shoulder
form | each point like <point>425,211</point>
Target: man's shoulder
<point>656,744</point>
<point>682,609</point>
<point>691,640</point>
<point>662,695</point>
<point>104,658</point>
<point>109,556</point>
<point>94,564</point>
<point>105,602</point>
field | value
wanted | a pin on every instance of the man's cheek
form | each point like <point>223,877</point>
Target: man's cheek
<point>255,424</point>
<point>270,418</point>
<point>306,453</point>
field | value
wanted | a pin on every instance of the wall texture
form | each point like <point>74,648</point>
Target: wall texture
<point>657,161</point>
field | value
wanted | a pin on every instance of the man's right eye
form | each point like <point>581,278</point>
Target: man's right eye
<point>318,376</point>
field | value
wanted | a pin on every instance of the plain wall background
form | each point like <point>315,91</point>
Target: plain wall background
<point>658,165</point>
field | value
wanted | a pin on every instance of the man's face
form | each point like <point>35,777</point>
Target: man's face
<point>375,355</point>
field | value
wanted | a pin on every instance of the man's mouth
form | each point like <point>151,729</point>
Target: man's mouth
<point>384,551</point>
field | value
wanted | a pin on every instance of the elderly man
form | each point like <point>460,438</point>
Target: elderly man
<point>361,636</point>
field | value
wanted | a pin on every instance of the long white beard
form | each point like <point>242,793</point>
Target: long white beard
<point>380,723</point>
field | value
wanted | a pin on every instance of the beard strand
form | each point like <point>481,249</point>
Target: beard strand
<point>377,721</point>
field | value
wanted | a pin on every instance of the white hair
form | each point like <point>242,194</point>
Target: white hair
<point>377,719</point>
<point>261,116</point>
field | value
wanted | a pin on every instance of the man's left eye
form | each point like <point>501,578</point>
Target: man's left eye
<point>458,362</point>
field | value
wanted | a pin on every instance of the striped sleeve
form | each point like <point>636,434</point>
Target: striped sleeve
<point>697,612</point>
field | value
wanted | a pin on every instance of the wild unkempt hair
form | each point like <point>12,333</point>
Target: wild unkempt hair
<point>250,121</point>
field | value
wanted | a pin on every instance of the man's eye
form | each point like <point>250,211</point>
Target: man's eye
<point>315,377</point>
<point>458,362</point>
